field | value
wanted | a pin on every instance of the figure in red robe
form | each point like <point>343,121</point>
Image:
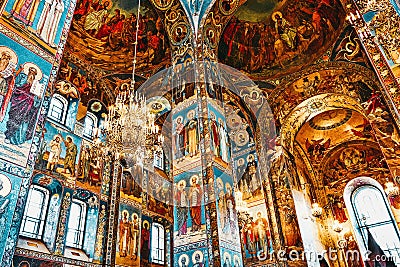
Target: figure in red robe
<point>195,195</point>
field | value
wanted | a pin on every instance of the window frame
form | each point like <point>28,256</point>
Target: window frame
<point>40,223</point>
<point>361,229</point>
<point>157,243</point>
<point>78,244</point>
<point>63,114</point>
<point>160,156</point>
<point>88,133</point>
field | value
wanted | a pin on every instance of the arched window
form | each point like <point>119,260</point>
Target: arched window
<point>58,108</point>
<point>35,212</point>
<point>157,243</point>
<point>158,161</point>
<point>372,218</point>
<point>90,125</point>
<point>76,224</point>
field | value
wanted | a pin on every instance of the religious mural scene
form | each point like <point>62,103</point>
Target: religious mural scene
<point>233,133</point>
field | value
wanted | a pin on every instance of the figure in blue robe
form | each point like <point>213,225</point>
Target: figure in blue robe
<point>23,110</point>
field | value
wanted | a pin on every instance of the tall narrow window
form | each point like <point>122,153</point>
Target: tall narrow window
<point>158,161</point>
<point>157,243</point>
<point>58,108</point>
<point>35,212</point>
<point>90,125</point>
<point>373,214</point>
<point>76,224</point>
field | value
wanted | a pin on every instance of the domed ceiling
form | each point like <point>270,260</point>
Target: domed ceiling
<point>332,128</point>
<point>271,38</point>
<point>99,53</point>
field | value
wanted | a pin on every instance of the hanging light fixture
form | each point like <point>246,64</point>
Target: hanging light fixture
<point>129,126</point>
<point>391,189</point>
<point>316,210</point>
<point>241,205</point>
<point>337,226</point>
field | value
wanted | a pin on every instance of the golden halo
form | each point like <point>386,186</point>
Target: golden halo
<point>180,258</point>
<point>212,115</point>
<point>194,176</point>
<point>227,255</point>
<point>28,65</point>
<point>191,114</point>
<point>6,185</point>
<point>179,117</point>
<point>250,156</point>
<point>181,182</point>
<point>123,212</point>
<point>14,57</point>
<point>194,255</point>
<point>240,161</point>
<point>256,92</point>
<point>137,216</point>
<point>235,258</point>
<point>276,13</point>
<point>228,185</point>
<point>146,222</point>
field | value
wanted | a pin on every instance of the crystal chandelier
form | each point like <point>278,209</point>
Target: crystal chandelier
<point>316,210</point>
<point>129,127</point>
<point>337,226</point>
<point>241,205</point>
<point>391,189</point>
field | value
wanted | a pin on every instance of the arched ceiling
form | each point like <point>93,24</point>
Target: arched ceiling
<point>265,39</point>
<point>269,38</point>
<point>332,128</point>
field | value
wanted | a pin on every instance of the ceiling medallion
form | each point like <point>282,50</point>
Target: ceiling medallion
<point>316,105</point>
<point>331,119</point>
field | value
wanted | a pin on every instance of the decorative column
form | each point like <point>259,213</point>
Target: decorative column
<point>205,223</point>
<point>380,46</point>
<point>113,211</point>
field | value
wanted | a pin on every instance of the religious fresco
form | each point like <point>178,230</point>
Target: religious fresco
<point>128,236</point>
<point>220,142</point>
<point>90,167</point>
<point>197,258</point>
<point>20,261</point>
<point>186,137</point>
<point>239,129</point>
<point>281,177</point>
<point>42,22</point>
<point>273,39</point>
<point>110,28</point>
<point>357,83</point>
<point>145,240</point>
<point>160,195</point>
<point>131,183</point>
<point>228,228</point>
<point>23,84</point>
<point>352,160</point>
<point>9,189</point>
<point>320,133</point>
<point>248,177</point>
<point>189,209</point>
<point>255,233</point>
<point>229,258</point>
<point>86,82</point>
<point>101,232</point>
<point>349,48</point>
<point>61,156</point>
<point>381,18</point>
